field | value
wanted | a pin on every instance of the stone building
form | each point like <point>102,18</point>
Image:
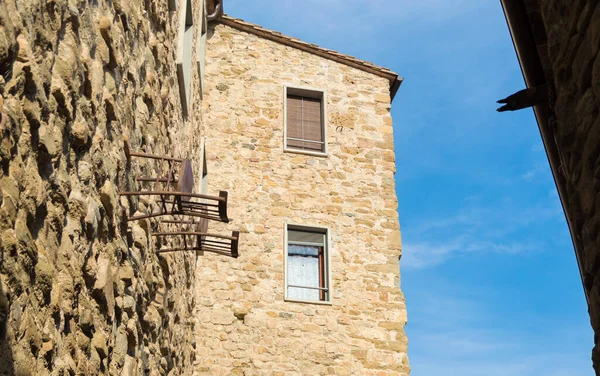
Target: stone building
<point>301,138</point>
<point>558,46</point>
<point>320,213</point>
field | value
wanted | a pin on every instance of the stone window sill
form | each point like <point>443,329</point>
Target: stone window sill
<point>308,301</point>
<point>306,152</point>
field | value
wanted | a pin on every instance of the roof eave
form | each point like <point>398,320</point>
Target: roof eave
<point>394,86</point>
<point>533,74</point>
<point>393,78</point>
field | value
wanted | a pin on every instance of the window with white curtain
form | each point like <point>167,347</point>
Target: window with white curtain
<point>307,264</point>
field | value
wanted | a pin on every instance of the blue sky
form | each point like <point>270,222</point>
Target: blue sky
<point>488,269</point>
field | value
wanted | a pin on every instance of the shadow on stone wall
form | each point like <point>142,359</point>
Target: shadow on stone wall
<point>75,79</point>
<point>6,356</point>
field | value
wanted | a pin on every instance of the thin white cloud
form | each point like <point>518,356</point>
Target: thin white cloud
<point>530,174</point>
<point>422,255</point>
<point>539,167</point>
<point>458,334</point>
<point>498,227</point>
<point>467,342</point>
<point>539,171</point>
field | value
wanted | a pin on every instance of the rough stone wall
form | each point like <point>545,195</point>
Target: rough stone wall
<point>244,327</point>
<point>81,293</point>
<point>573,29</point>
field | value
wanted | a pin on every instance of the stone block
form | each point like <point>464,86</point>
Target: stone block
<point>104,282</point>
<point>108,197</point>
<point>100,344</point>
<point>383,98</point>
<point>80,134</point>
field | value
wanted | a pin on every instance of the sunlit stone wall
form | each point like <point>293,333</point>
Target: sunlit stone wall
<point>82,292</point>
<point>244,326</point>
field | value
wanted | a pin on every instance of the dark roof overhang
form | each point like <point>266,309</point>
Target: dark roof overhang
<point>528,33</point>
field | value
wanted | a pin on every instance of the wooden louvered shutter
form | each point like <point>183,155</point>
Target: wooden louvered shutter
<point>305,123</point>
<point>294,122</point>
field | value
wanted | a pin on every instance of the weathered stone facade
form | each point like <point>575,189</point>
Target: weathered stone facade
<point>573,29</point>
<point>244,326</point>
<point>81,291</point>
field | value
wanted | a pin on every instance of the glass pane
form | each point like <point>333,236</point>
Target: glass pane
<point>303,270</point>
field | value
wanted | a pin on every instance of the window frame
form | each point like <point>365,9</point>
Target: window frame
<point>203,176</point>
<point>307,92</point>
<point>185,54</point>
<point>201,48</point>
<point>326,259</point>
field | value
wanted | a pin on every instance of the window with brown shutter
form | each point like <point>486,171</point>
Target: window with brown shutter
<point>305,128</point>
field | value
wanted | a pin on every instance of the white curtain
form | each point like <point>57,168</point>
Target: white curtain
<point>303,270</point>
